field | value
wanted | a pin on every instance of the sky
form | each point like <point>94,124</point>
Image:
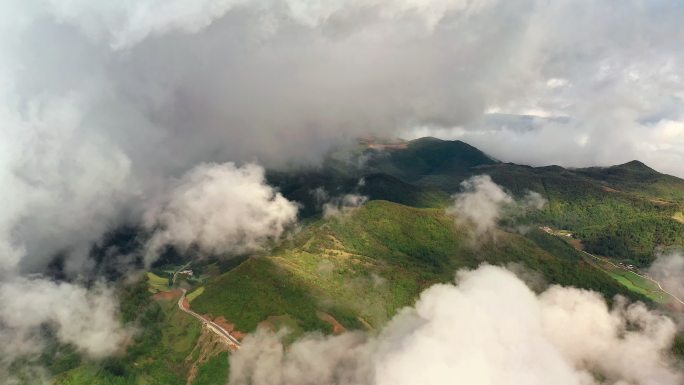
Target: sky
<point>117,112</point>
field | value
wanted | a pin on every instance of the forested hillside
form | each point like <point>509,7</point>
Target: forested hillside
<point>356,269</point>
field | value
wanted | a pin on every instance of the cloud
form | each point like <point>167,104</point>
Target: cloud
<point>482,203</point>
<point>220,208</point>
<point>147,90</point>
<point>123,25</point>
<point>532,200</point>
<point>320,196</point>
<point>87,318</point>
<point>456,331</point>
<point>106,104</point>
<point>343,204</point>
<point>588,97</point>
<point>668,269</point>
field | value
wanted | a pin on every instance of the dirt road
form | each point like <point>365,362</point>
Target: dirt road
<point>221,332</point>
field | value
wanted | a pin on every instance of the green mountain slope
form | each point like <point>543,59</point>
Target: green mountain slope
<point>363,267</point>
<point>430,162</point>
<point>355,271</point>
<point>613,214</point>
<point>626,211</point>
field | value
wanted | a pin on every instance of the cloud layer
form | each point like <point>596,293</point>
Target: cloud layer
<point>457,333</point>
<point>109,107</point>
<point>221,209</point>
<point>106,104</point>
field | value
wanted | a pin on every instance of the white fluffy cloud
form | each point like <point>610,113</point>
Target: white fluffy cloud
<point>221,208</point>
<point>85,318</point>
<point>482,203</point>
<point>668,269</point>
<point>489,328</point>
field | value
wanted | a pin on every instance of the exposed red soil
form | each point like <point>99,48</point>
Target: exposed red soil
<point>230,328</point>
<point>238,335</point>
<point>337,327</point>
<point>220,321</point>
<point>186,303</point>
<point>167,295</point>
<point>673,305</point>
<point>577,243</point>
<point>227,325</point>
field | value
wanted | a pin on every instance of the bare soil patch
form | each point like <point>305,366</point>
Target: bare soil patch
<point>337,327</point>
<point>167,295</point>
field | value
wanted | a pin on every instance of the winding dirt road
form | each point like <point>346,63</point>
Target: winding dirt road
<point>218,330</point>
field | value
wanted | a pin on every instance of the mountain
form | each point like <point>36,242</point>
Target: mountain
<point>430,162</point>
<point>357,269</point>
<point>625,211</point>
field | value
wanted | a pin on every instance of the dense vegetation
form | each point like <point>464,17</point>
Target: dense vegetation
<point>158,353</point>
<point>360,268</point>
<point>626,211</point>
<point>214,371</point>
<point>363,267</point>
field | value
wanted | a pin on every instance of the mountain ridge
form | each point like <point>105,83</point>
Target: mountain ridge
<point>356,269</point>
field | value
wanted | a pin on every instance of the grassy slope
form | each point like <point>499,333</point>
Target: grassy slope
<point>363,267</point>
<point>431,162</point>
<point>616,214</point>
<point>159,353</point>
<point>624,211</point>
<point>214,371</point>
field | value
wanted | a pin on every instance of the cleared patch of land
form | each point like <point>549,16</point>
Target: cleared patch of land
<point>678,216</point>
<point>157,283</point>
<point>196,293</point>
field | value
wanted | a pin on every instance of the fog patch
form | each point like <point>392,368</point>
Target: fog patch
<point>532,200</point>
<point>343,205</point>
<point>482,204</point>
